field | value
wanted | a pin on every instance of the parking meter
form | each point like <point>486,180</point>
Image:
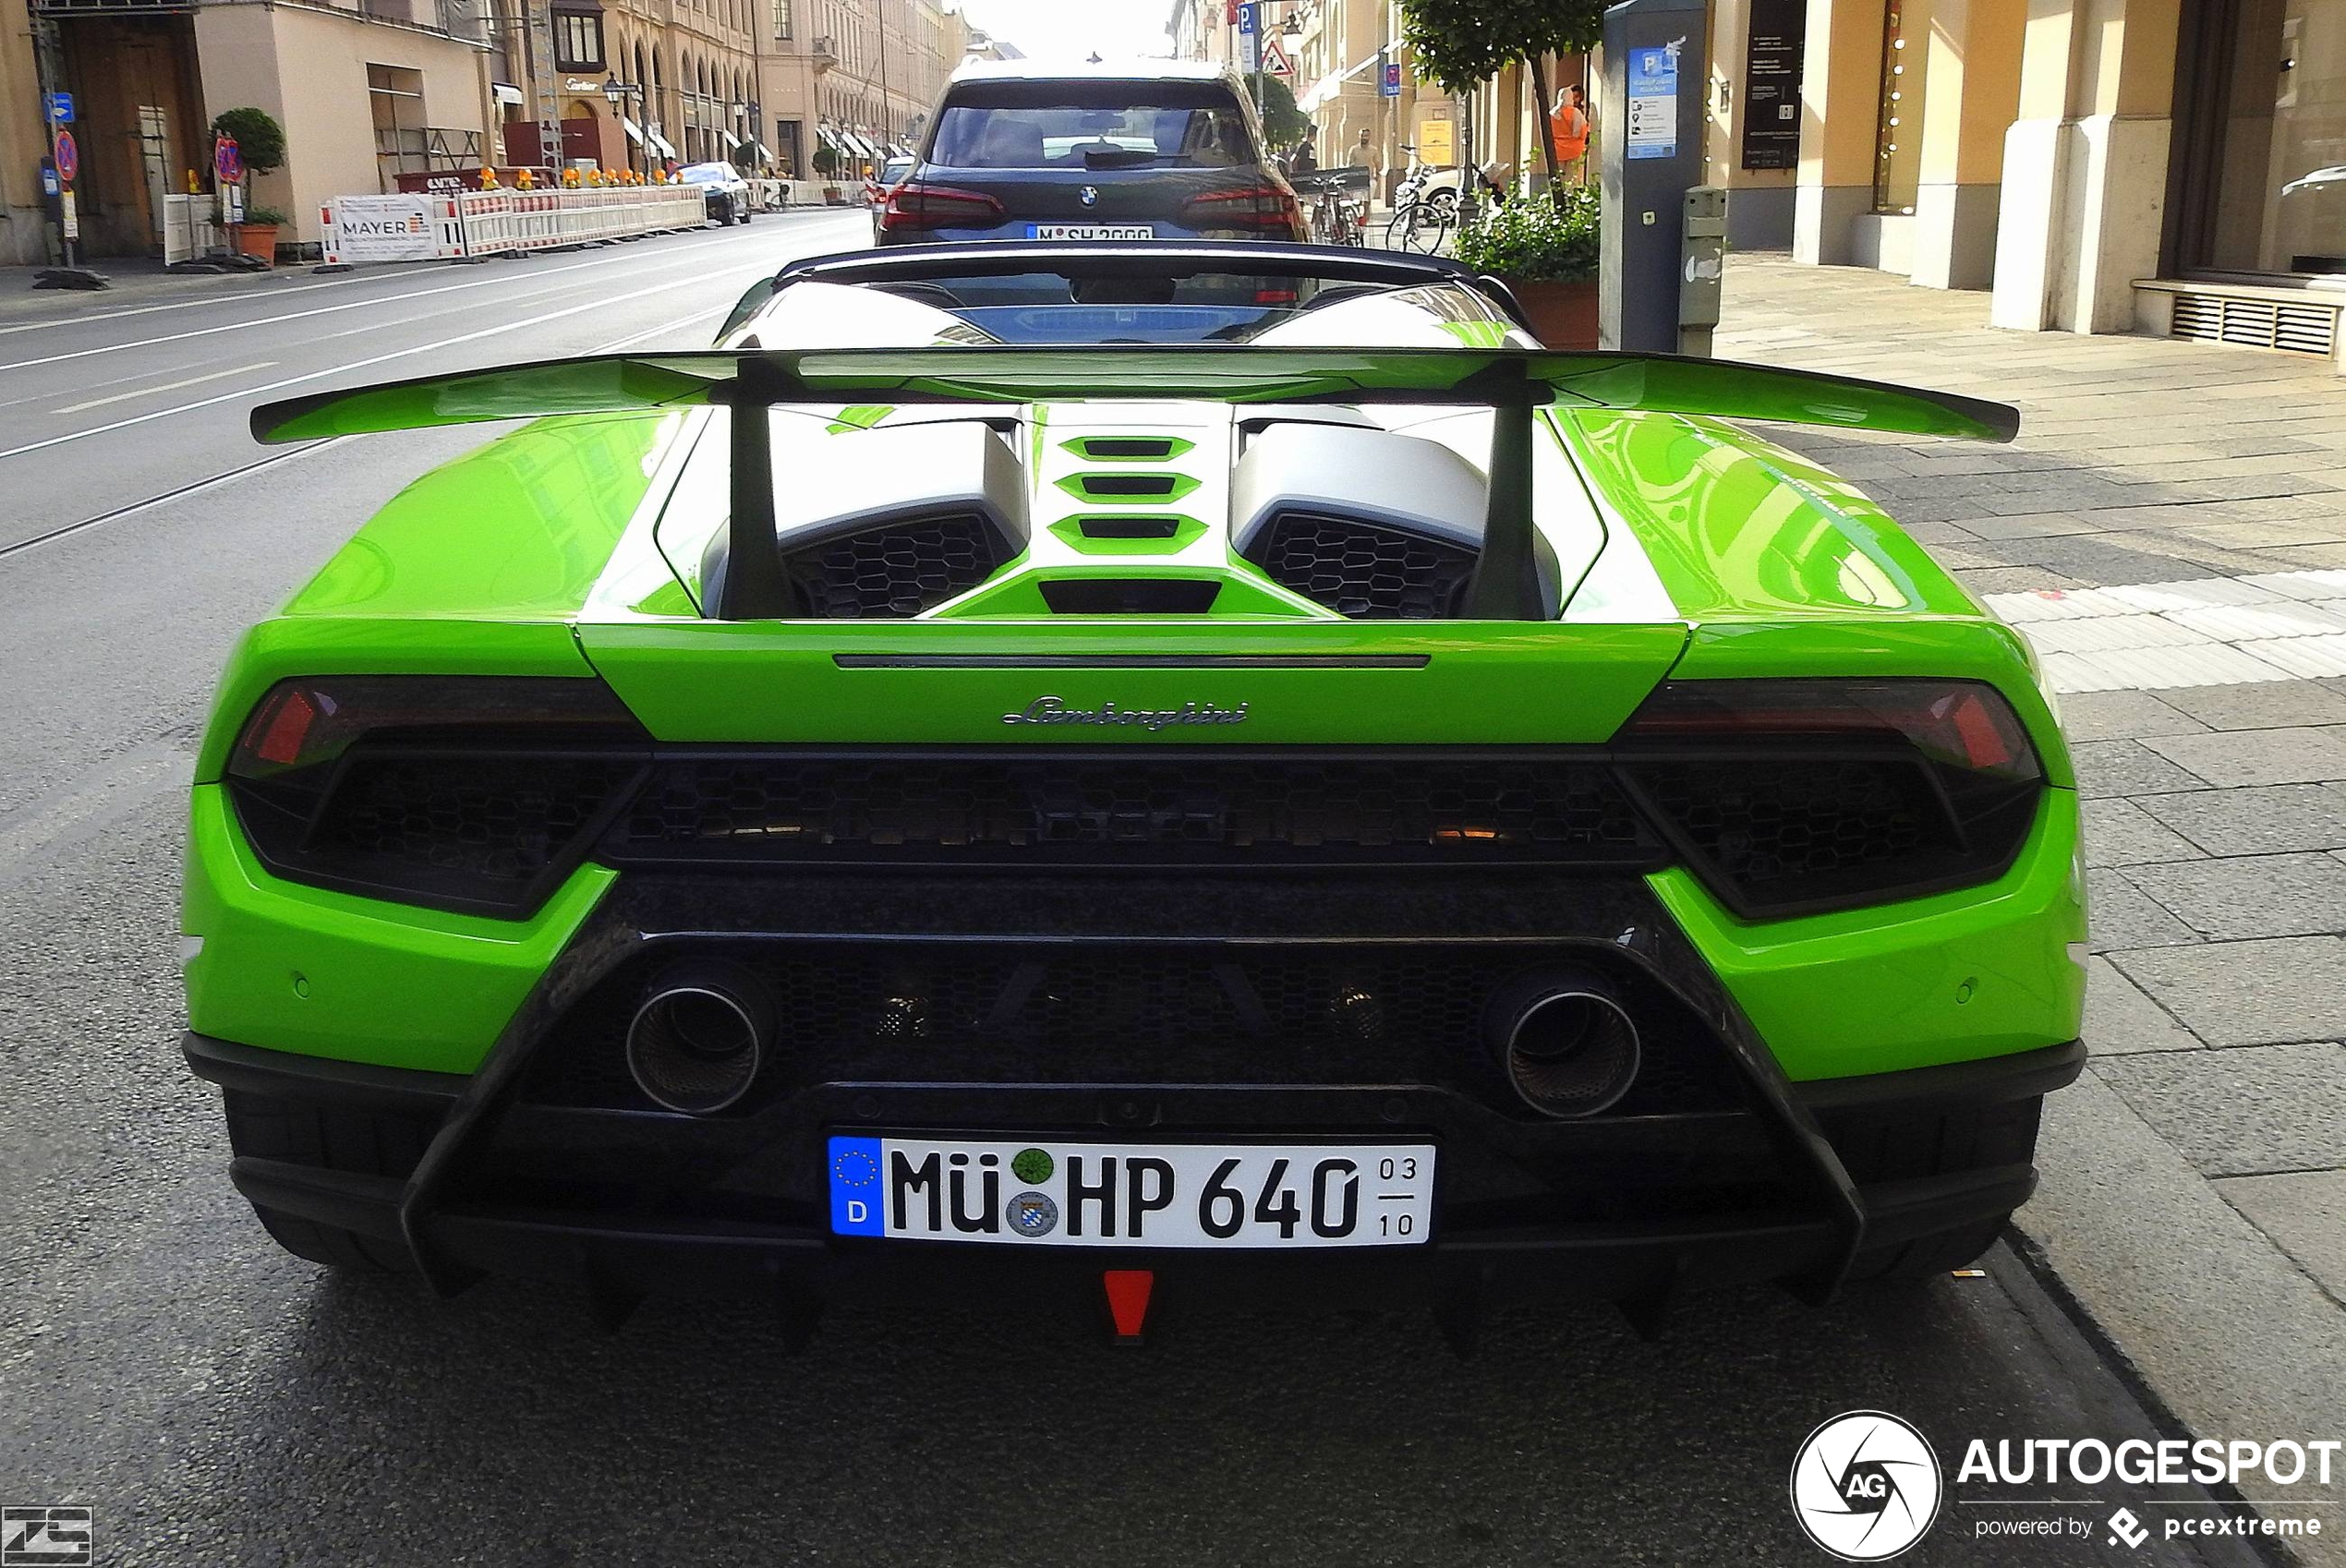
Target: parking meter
<point>1705,252</point>
<point>1651,155</point>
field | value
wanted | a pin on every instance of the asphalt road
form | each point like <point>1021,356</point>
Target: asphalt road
<point>215,1401</point>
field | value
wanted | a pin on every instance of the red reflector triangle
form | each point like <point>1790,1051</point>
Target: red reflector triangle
<point>1128,1299</point>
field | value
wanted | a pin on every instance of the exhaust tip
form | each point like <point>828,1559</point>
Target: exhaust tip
<point>1568,1048</point>
<point>698,1039</point>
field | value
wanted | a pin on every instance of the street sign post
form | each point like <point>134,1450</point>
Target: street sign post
<point>1390,86</point>
<point>1275,59</point>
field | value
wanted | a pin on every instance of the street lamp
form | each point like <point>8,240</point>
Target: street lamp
<point>620,92</point>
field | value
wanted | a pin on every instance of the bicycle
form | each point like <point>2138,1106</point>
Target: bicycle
<point>1423,211</point>
<point>1337,216</point>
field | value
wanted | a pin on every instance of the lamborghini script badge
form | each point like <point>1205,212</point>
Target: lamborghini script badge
<point>1054,710</point>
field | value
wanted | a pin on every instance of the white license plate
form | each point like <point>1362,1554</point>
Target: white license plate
<point>1091,231</point>
<point>1058,1194</point>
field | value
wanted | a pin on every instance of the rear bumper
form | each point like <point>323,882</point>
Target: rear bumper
<point>1481,1254</point>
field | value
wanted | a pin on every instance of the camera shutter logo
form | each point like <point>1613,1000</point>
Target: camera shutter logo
<point>1865,1485</point>
<point>45,1537</point>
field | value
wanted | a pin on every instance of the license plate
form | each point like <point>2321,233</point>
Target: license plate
<point>1091,231</point>
<point>1056,1194</point>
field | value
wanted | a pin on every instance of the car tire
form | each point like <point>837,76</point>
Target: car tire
<point>1876,1148</point>
<point>334,1137</point>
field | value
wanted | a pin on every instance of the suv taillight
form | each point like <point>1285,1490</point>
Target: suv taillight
<point>1256,208</point>
<point>474,793</point>
<point>1793,796</point>
<point>917,205</point>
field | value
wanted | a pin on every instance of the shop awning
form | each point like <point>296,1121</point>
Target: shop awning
<point>827,137</point>
<point>1329,85</point>
<point>635,132</point>
<point>733,142</point>
<point>863,148</point>
<point>506,92</point>
<point>662,146</point>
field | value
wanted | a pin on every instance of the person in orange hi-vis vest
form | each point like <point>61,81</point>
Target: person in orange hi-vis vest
<point>1569,124</point>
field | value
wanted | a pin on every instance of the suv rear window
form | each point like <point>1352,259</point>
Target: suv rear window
<point>1089,125</point>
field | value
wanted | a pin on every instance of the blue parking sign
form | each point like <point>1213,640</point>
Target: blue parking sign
<point>61,108</point>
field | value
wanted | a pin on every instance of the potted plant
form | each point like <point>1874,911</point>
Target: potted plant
<point>257,236</point>
<point>1543,246</point>
<point>261,142</point>
<point>826,166</point>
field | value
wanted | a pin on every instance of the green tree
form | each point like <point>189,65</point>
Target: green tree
<point>1461,44</point>
<point>260,140</point>
<point>1283,123</point>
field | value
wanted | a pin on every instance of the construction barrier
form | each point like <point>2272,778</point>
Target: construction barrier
<point>420,227</point>
<point>440,226</point>
<point>505,222</point>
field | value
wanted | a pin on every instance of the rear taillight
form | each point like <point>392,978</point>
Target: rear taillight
<point>1254,209</point>
<point>1964,724</point>
<point>915,205</point>
<point>465,793</point>
<point>1793,796</point>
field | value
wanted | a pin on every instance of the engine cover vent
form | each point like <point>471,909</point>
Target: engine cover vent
<point>897,568</point>
<point>1365,571</point>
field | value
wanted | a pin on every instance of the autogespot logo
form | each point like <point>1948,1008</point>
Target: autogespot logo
<point>1864,1486</point>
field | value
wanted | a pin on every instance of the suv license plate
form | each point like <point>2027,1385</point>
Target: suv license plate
<point>1091,231</point>
<point>1203,1195</point>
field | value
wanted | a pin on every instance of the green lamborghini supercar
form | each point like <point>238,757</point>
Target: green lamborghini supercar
<point>1092,765</point>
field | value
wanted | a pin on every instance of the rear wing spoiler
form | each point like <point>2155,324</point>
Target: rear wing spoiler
<point>1510,382</point>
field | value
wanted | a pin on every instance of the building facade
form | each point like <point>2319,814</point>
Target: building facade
<point>148,77</point>
<point>448,87</point>
<point>856,79</point>
<point>2171,166</point>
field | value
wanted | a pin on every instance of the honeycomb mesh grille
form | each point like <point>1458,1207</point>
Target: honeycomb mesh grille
<point>898,569</point>
<point>1012,1012</point>
<point>503,819</point>
<point>1123,809</point>
<point>1365,572</point>
<point>1799,830</point>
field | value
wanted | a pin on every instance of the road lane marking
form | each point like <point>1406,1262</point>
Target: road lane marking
<point>602,303</point>
<point>167,386</point>
<point>187,489</point>
<point>128,508</point>
<point>290,289</point>
<point>2193,631</point>
<point>664,259</point>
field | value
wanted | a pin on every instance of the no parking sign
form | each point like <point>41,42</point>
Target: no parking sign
<point>68,157</point>
<point>228,162</point>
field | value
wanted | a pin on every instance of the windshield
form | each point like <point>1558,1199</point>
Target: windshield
<point>894,170</point>
<point>709,174</point>
<point>1139,126</point>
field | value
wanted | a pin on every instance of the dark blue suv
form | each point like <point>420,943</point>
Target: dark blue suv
<point>1160,149</point>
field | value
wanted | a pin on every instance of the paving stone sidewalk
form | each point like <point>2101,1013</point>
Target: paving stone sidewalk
<point>2205,489</point>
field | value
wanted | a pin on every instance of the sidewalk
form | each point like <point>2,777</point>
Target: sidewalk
<point>2170,531</point>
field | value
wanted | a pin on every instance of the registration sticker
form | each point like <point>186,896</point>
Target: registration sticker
<point>1195,1195</point>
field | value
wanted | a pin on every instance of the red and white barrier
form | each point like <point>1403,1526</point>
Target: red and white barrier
<point>440,226</point>
<point>390,228</point>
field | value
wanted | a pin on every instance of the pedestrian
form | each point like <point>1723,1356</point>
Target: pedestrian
<point>1362,155</point>
<point>1569,129</point>
<point>1304,161</point>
